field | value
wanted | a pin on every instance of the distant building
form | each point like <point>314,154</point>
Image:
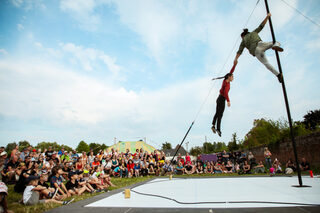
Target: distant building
<point>171,152</point>
<point>122,146</point>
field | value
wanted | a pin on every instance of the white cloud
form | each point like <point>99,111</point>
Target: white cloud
<point>165,26</point>
<point>88,56</point>
<point>3,51</point>
<point>83,12</point>
<point>47,91</point>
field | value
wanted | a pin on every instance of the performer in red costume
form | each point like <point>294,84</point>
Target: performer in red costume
<point>221,101</point>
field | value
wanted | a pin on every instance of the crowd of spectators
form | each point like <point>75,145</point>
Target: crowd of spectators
<point>55,175</point>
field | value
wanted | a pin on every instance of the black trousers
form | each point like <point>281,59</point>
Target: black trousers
<point>221,103</point>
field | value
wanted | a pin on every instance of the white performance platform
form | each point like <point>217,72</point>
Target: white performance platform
<point>258,190</point>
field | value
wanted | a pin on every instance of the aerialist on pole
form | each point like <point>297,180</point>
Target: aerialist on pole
<point>221,100</point>
<point>257,47</point>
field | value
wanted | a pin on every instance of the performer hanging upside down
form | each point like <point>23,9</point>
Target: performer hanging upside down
<point>257,47</point>
<point>221,101</point>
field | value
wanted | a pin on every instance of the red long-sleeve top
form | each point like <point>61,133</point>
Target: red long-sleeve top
<point>224,91</point>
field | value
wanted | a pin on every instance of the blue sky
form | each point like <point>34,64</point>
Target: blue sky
<point>94,70</point>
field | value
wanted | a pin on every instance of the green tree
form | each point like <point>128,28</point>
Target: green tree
<point>264,132</point>
<point>220,146</point>
<point>312,119</point>
<point>208,148</point>
<point>83,147</point>
<point>232,145</point>
<point>23,145</point>
<point>55,146</point>
<point>166,146</point>
<point>103,146</point>
<point>195,151</point>
<point>10,147</point>
<point>95,147</point>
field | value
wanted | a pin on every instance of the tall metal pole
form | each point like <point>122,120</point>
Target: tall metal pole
<point>285,99</point>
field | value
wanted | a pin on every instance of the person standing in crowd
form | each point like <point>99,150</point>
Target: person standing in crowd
<point>267,155</point>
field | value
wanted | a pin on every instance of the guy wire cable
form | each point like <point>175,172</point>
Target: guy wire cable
<point>212,87</point>
<point>306,17</point>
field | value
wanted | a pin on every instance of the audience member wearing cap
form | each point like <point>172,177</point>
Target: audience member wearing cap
<point>3,154</point>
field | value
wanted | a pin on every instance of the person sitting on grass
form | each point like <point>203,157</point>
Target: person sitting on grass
<point>57,183</point>
<point>157,169</point>
<point>151,170</point>
<point>137,169</point>
<point>246,168</point>
<point>189,168</point>
<point>33,193</point>
<point>116,172</point>
<point>83,181</point>
<point>73,186</point>
<point>229,167</point>
<point>259,168</point>
<point>167,168</point>
<point>217,168</point>
<point>304,165</point>
<point>3,198</point>
<point>179,169</point>
<point>106,178</point>
<point>209,169</point>
<point>290,167</point>
<point>50,192</point>
<point>277,166</point>
<point>123,170</point>
<point>199,168</point>
<point>144,170</point>
<point>130,167</point>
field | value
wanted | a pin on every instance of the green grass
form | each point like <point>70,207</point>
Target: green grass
<point>14,198</point>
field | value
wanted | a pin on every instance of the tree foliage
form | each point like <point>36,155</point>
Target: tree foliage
<point>312,119</point>
<point>195,151</point>
<point>55,146</point>
<point>263,132</point>
<point>10,147</point>
<point>233,144</point>
<point>96,147</point>
<point>23,145</point>
<point>166,146</point>
<point>83,147</point>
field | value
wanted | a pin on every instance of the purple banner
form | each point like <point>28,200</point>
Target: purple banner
<point>210,157</point>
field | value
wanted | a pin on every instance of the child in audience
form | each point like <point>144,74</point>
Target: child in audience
<point>33,193</point>
<point>57,183</point>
